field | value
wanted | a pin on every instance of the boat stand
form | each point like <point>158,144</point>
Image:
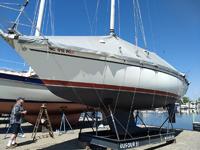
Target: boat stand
<point>141,136</point>
<point>63,122</point>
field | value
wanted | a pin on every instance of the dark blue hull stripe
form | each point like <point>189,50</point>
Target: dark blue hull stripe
<point>21,78</point>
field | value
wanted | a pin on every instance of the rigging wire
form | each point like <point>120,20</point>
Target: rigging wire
<point>51,17</point>
<point>138,23</point>
<point>22,24</point>
<point>44,18</point>
<point>47,22</point>
<point>106,16</point>
<point>119,19</point>
<point>34,18</point>
<point>7,7</point>
<point>5,3</point>
<point>141,24</point>
<point>135,22</point>
<point>96,18</point>
<point>151,27</point>
<point>88,17</point>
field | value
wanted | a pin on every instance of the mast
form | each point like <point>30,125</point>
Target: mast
<point>40,17</point>
<point>112,18</point>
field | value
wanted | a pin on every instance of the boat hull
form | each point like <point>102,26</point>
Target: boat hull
<point>123,99</point>
<point>35,94</point>
<point>71,110</point>
<point>94,81</point>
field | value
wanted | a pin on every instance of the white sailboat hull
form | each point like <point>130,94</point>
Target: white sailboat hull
<point>10,90</point>
<point>96,80</point>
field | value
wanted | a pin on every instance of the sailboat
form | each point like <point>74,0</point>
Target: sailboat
<point>26,84</point>
<point>100,71</point>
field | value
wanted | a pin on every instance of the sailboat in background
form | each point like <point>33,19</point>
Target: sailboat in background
<point>27,84</point>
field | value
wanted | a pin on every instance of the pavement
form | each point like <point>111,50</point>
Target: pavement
<point>185,140</point>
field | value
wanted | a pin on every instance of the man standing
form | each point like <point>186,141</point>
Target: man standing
<point>15,121</point>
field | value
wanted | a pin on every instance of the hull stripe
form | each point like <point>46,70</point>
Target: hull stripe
<point>106,87</point>
<point>20,78</point>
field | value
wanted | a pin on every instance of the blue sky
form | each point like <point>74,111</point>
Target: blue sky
<point>172,29</point>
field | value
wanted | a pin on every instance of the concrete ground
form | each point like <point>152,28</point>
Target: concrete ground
<point>186,140</point>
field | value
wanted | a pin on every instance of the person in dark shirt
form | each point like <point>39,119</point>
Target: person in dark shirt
<point>16,120</point>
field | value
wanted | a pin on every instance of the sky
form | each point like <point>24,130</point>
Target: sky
<point>172,29</point>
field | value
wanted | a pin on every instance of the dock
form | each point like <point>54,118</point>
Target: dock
<point>185,139</point>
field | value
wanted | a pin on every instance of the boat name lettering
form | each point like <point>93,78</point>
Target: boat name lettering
<point>129,145</point>
<point>61,50</point>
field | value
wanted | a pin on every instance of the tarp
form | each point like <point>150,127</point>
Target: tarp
<point>109,46</point>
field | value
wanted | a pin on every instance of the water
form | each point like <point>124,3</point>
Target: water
<point>183,120</point>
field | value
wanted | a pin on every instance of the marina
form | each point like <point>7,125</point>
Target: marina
<point>97,90</point>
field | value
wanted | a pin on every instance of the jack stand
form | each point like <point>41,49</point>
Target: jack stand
<point>86,116</point>
<point>170,118</point>
<point>139,136</point>
<point>63,124</point>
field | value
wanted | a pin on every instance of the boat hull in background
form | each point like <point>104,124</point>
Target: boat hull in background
<point>35,94</point>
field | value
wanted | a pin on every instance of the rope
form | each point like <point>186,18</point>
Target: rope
<point>132,103</point>
<point>117,99</point>
<point>154,94</point>
<point>99,97</point>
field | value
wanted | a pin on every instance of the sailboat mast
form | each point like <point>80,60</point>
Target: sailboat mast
<point>112,18</point>
<point>40,17</point>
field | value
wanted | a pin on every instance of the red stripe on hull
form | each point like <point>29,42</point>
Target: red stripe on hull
<point>106,86</point>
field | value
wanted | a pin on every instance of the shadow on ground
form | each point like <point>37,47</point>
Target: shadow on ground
<point>71,144</point>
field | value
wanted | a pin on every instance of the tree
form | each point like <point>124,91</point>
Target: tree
<point>186,99</point>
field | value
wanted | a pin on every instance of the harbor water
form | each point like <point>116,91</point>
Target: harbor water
<point>184,118</point>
